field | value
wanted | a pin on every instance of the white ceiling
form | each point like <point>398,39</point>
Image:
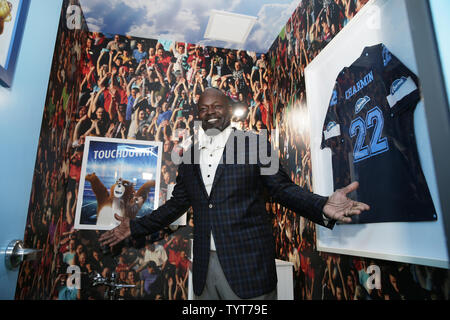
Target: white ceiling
<point>186,20</point>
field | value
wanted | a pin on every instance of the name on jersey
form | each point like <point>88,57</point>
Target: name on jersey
<point>361,84</point>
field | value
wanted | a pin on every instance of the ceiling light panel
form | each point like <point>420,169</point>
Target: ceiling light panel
<point>227,26</point>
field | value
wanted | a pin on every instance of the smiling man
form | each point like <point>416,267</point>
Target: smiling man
<point>214,110</point>
<point>233,248</point>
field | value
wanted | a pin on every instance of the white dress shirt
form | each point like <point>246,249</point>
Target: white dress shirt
<point>211,151</point>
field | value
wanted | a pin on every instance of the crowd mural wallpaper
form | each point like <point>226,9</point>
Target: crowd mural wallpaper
<point>122,87</point>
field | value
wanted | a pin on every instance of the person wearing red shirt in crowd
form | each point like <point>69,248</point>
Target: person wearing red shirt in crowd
<point>182,263</point>
<point>113,96</point>
<point>181,274</point>
<point>173,248</point>
<point>74,178</point>
<point>122,265</point>
<point>151,60</point>
<point>60,116</point>
<point>198,55</point>
<point>162,59</point>
<point>281,56</point>
<point>99,39</point>
<point>309,278</point>
<point>88,57</point>
<point>265,107</point>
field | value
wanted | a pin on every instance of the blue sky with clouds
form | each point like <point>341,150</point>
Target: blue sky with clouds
<point>186,20</point>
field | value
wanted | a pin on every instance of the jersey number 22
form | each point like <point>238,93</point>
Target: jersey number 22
<point>358,129</point>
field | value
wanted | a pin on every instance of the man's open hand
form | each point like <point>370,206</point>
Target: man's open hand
<point>341,208</point>
<point>116,235</point>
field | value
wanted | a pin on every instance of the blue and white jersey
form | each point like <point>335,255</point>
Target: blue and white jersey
<point>369,128</point>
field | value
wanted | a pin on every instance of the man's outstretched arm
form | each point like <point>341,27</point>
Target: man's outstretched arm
<point>155,221</point>
<point>337,207</point>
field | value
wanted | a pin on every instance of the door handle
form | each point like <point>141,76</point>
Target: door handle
<point>15,254</point>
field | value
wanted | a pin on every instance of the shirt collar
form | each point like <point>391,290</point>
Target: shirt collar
<point>219,140</point>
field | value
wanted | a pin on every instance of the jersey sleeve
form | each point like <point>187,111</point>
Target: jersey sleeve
<point>402,85</point>
<point>331,130</point>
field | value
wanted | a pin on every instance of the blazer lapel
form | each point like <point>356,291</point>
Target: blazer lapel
<point>219,172</point>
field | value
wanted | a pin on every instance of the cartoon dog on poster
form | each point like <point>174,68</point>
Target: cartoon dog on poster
<point>122,200</point>
<point>5,13</point>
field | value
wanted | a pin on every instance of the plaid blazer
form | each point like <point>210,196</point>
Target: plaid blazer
<point>235,212</point>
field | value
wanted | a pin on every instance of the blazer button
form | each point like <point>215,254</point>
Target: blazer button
<point>210,206</point>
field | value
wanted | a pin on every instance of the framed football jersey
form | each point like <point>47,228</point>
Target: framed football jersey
<point>368,123</point>
<point>369,128</point>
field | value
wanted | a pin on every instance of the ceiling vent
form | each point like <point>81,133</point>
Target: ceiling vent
<point>230,27</point>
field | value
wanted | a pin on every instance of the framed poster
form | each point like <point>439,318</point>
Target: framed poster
<point>12,22</point>
<point>382,26</point>
<point>117,177</point>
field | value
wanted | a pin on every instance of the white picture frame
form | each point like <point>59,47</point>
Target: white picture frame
<point>137,162</point>
<point>424,243</point>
